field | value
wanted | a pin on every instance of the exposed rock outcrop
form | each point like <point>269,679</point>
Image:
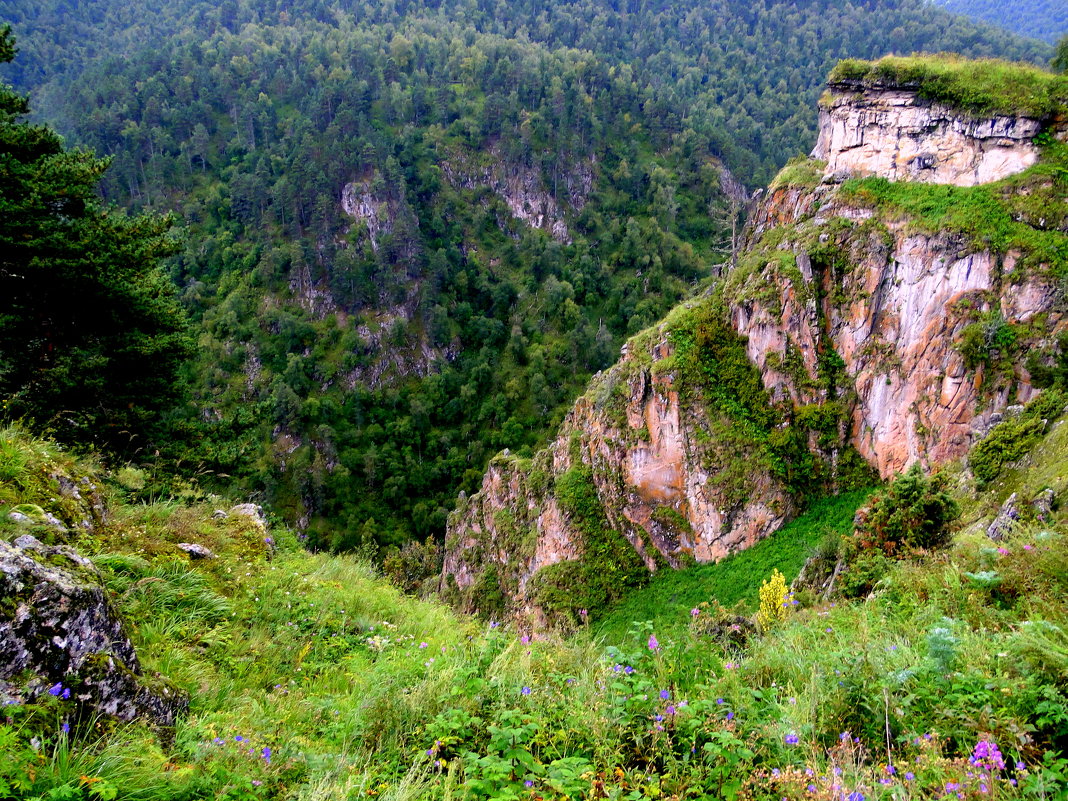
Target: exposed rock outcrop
<point>57,627</point>
<point>524,191</point>
<point>898,135</point>
<point>855,315</point>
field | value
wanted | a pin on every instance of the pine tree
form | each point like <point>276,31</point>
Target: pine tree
<point>91,333</point>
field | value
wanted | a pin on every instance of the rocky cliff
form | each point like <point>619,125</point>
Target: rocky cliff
<point>878,315</point>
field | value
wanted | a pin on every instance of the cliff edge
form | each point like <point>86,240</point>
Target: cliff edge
<point>879,314</point>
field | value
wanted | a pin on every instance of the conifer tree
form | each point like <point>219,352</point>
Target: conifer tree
<point>91,332</point>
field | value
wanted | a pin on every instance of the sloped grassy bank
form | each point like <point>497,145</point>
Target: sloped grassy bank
<point>312,678</point>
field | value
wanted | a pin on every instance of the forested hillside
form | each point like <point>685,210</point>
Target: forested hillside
<point>1042,19</point>
<point>414,230</point>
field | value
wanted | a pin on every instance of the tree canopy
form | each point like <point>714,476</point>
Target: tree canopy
<point>91,333</point>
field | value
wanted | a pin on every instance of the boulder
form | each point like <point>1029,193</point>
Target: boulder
<point>1005,520</point>
<point>1043,505</point>
<point>58,629</point>
<point>196,551</point>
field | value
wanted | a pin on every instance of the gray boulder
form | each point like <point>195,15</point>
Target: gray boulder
<point>58,627</point>
<point>1005,520</point>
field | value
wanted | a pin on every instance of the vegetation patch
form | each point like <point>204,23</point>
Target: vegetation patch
<point>608,568</point>
<point>980,86</point>
<point>671,594</point>
<point>1012,439</point>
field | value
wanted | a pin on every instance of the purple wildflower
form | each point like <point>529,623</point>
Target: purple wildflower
<point>526,691</point>
<point>695,612</point>
<point>909,776</point>
<point>266,754</point>
<point>792,739</point>
<point>528,783</point>
<point>628,670</point>
<point>66,728</point>
<point>55,689</point>
<point>670,710</point>
<point>987,756</point>
<point>665,695</point>
<point>653,644</point>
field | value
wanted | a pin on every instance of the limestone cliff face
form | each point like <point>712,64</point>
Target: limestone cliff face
<point>896,134</point>
<point>894,309</point>
<point>871,328</point>
<point>656,459</point>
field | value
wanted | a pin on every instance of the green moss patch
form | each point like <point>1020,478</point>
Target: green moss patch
<point>980,86</point>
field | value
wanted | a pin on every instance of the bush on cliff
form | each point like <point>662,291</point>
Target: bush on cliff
<point>915,512</point>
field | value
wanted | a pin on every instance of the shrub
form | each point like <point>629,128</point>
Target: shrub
<point>1014,438</point>
<point>913,512</point>
<point>774,601</point>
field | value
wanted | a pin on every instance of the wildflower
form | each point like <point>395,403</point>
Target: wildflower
<point>909,775</point>
<point>628,670</point>
<point>494,624</point>
<point>891,769</point>
<point>66,728</point>
<point>731,666</point>
<point>239,739</point>
<point>653,644</point>
<point>528,783</point>
<point>616,668</point>
<point>268,540</point>
<point>266,754</point>
<point>422,645</point>
<point>695,612</point>
<point>218,741</point>
<point>670,710</point>
<point>1002,551</point>
<point>665,695</point>
<point>257,783</point>
<point>583,614</point>
<point>855,796</point>
<point>987,756</point>
<point>792,739</point>
<point>774,771</point>
<point>66,693</point>
<point>730,716</point>
<point>811,788</point>
<point>55,689</point>
<point>1028,547</point>
<point>526,691</point>
<point>844,736</point>
<point>720,701</point>
<point>525,639</point>
<point>1021,766</point>
<point>658,718</point>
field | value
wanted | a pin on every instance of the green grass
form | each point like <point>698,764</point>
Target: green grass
<point>673,593</point>
<point>981,86</point>
<point>1020,213</point>
<point>361,691</point>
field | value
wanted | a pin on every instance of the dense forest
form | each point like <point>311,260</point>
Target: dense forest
<point>1042,19</point>
<point>413,230</point>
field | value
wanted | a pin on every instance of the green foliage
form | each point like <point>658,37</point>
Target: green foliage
<point>91,333</point>
<point>989,341</point>
<point>609,567</point>
<point>914,512</point>
<point>981,86</point>
<point>1041,19</point>
<point>671,594</point>
<point>355,689</point>
<point>1014,437</point>
<point>366,380</point>
<point>1019,213</point>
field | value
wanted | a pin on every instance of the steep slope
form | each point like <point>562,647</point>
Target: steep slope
<point>1042,19</point>
<point>415,230</point>
<point>864,315</point>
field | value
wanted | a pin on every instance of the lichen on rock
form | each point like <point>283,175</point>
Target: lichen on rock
<point>57,625</point>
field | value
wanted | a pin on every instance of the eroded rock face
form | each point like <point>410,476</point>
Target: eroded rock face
<point>58,627</point>
<point>523,190</point>
<point>895,134</point>
<point>894,311</point>
<point>846,313</point>
<point>650,458</point>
